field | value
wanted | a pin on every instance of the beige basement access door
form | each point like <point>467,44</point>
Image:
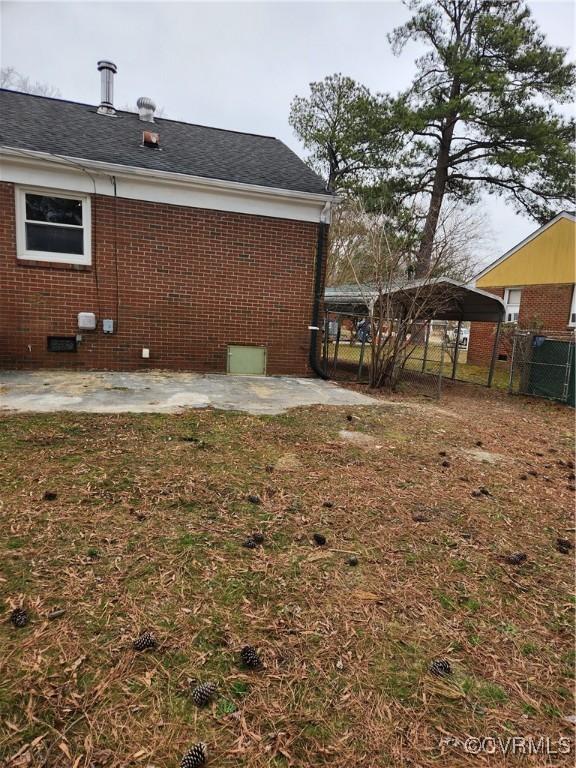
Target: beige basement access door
<point>247,361</point>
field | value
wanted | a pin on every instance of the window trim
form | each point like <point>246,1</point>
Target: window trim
<point>506,302</point>
<point>83,259</point>
<point>572,323</point>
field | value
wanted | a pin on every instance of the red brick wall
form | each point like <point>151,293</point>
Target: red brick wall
<point>545,307</point>
<point>482,337</point>
<point>183,282</point>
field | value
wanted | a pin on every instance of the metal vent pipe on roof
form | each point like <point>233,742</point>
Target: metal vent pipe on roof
<point>107,71</point>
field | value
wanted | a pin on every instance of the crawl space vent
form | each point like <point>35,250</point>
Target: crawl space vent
<point>62,344</point>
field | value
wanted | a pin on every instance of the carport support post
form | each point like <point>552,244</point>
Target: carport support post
<point>456,350</point>
<point>494,353</point>
<point>427,339</point>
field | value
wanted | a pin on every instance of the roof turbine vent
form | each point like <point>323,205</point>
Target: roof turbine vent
<point>107,71</point>
<point>146,109</point>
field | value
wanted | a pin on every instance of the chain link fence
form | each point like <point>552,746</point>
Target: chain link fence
<point>535,363</point>
<point>348,347</point>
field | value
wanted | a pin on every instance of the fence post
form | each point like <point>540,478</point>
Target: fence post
<point>567,373</point>
<point>494,353</point>
<point>512,361</point>
<point>325,351</point>
<point>361,361</point>
<point>441,371</point>
<point>426,341</point>
<point>337,344</point>
<point>456,349</point>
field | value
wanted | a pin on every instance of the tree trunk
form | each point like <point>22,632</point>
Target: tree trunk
<point>438,188</point>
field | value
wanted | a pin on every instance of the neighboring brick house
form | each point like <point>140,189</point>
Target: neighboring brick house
<point>128,242</point>
<point>536,281</point>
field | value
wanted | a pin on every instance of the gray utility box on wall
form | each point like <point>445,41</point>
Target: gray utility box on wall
<point>246,361</point>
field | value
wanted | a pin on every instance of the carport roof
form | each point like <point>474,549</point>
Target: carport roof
<point>457,301</point>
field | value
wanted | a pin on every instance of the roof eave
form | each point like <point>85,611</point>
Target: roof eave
<point>117,169</point>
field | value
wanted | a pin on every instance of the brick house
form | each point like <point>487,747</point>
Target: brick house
<point>128,241</point>
<point>536,279</point>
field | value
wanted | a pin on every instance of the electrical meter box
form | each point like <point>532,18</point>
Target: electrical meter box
<point>108,326</point>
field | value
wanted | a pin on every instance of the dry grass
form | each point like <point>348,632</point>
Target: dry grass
<point>146,533</point>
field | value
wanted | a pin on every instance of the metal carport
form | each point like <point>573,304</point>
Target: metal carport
<point>458,302</point>
<point>442,299</point>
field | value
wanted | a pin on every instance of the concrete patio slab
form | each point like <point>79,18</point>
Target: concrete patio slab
<point>165,392</point>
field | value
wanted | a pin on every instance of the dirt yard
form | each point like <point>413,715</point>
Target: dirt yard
<point>116,524</point>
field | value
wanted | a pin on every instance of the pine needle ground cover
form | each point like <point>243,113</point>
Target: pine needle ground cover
<point>117,525</point>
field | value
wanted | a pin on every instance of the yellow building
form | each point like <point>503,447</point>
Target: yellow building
<point>536,277</point>
<point>536,280</point>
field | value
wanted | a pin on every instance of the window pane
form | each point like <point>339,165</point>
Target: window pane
<point>39,237</point>
<point>514,296</point>
<point>56,210</point>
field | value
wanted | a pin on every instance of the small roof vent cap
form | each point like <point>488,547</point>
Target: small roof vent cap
<point>146,109</point>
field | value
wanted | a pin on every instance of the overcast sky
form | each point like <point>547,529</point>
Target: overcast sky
<point>231,65</point>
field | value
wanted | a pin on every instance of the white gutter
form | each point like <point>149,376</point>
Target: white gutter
<point>128,171</point>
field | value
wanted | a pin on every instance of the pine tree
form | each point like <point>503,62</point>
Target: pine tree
<point>481,109</point>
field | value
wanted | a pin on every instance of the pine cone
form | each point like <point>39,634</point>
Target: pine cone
<point>516,559</point>
<point>441,668</point>
<point>144,642</point>
<point>249,658</point>
<point>195,756</point>
<point>563,546</point>
<point>19,617</point>
<point>204,693</point>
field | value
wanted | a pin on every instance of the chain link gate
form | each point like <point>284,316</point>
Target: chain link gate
<point>347,348</point>
<point>542,365</point>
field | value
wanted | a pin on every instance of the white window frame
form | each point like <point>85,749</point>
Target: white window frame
<point>84,259</point>
<point>506,302</point>
<point>572,315</point>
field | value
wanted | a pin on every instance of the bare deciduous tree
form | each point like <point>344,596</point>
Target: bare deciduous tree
<point>13,80</point>
<point>380,263</point>
<point>463,239</point>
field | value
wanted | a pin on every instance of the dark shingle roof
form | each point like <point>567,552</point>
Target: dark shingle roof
<point>77,130</point>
